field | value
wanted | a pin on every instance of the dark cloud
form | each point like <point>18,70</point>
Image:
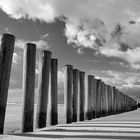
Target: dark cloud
<point>124,47</point>
<point>118,31</point>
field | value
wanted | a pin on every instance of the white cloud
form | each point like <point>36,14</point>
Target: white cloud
<point>60,77</point>
<point>88,23</point>
<point>132,56</point>
<point>40,44</point>
<point>34,9</point>
<point>119,79</point>
<point>16,58</point>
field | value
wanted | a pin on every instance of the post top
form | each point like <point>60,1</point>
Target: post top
<point>82,72</point>
<point>99,80</point>
<point>75,69</point>
<point>31,44</point>
<point>54,59</point>
<point>67,65</point>
<point>91,76</point>
<point>7,35</point>
<point>46,51</point>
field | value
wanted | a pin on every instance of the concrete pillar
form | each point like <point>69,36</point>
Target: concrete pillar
<point>28,87</point>
<point>43,88</point>
<point>53,106</point>
<point>68,86</point>
<point>76,95</point>
<point>6,54</point>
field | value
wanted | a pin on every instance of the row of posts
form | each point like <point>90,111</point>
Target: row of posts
<point>81,101</point>
<point>92,99</point>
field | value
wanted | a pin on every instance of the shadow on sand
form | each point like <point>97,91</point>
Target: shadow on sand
<point>78,136</point>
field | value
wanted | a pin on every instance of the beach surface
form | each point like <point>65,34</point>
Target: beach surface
<point>125,126</point>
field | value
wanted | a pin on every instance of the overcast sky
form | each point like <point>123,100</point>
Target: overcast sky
<point>100,37</point>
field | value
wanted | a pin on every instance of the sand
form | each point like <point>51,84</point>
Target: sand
<point>122,126</point>
<point>14,116</point>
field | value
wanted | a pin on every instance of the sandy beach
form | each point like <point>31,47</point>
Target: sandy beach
<point>14,117</point>
<point>122,126</point>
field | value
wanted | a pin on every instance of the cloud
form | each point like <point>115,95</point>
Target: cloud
<point>132,56</point>
<point>16,58</point>
<point>119,79</point>
<point>127,82</point>
<point>60,80</point>
<point>34,9</point>
<point>101,25</point>
<point>40,44</point>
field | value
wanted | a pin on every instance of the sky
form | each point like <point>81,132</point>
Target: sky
<point>100,37</point>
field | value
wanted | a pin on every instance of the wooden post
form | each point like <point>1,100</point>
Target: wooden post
<point>114,100</point>
<point>28,87</point>
<point>98,104</point>
<point>68,93</point>
<point>53,115</point>
<point>94,99</point>
<point>104,101</point>
<point>82,96</point>
<point>43,88</point>
<point>119,101</point>
<point>89,97</point>
<point>6,54</point>
<point>109,99</point>
<point>76,95</point>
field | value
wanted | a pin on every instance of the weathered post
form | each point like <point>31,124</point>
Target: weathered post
<point>114,100</point>
<point>109,99</point>
<point>53,115</point>
<point>98,99</point>
<point>94,98</point>
<point>82,96</point>
<point>117,101</point>
<point>43,88</point>
<point>104,100</point>
<point>89,97</point>
<point>123,102</point>
<point>28,87</point>
<point>68,93</point>
<point>6,54</point>
<point>76,95</point>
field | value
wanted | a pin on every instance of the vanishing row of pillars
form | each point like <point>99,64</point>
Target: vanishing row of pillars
<point>81,101</point>
<point>92,99</point>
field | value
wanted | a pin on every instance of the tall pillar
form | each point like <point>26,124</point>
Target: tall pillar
<point>76,95</point>
<point>68,86</point>
<point>43,88</point>
<point>82,96</point>
<point>90,97</point>
<point>28,87</point>
<point>53,106</point>
<point>98,99</point>
<point>6,55</point>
